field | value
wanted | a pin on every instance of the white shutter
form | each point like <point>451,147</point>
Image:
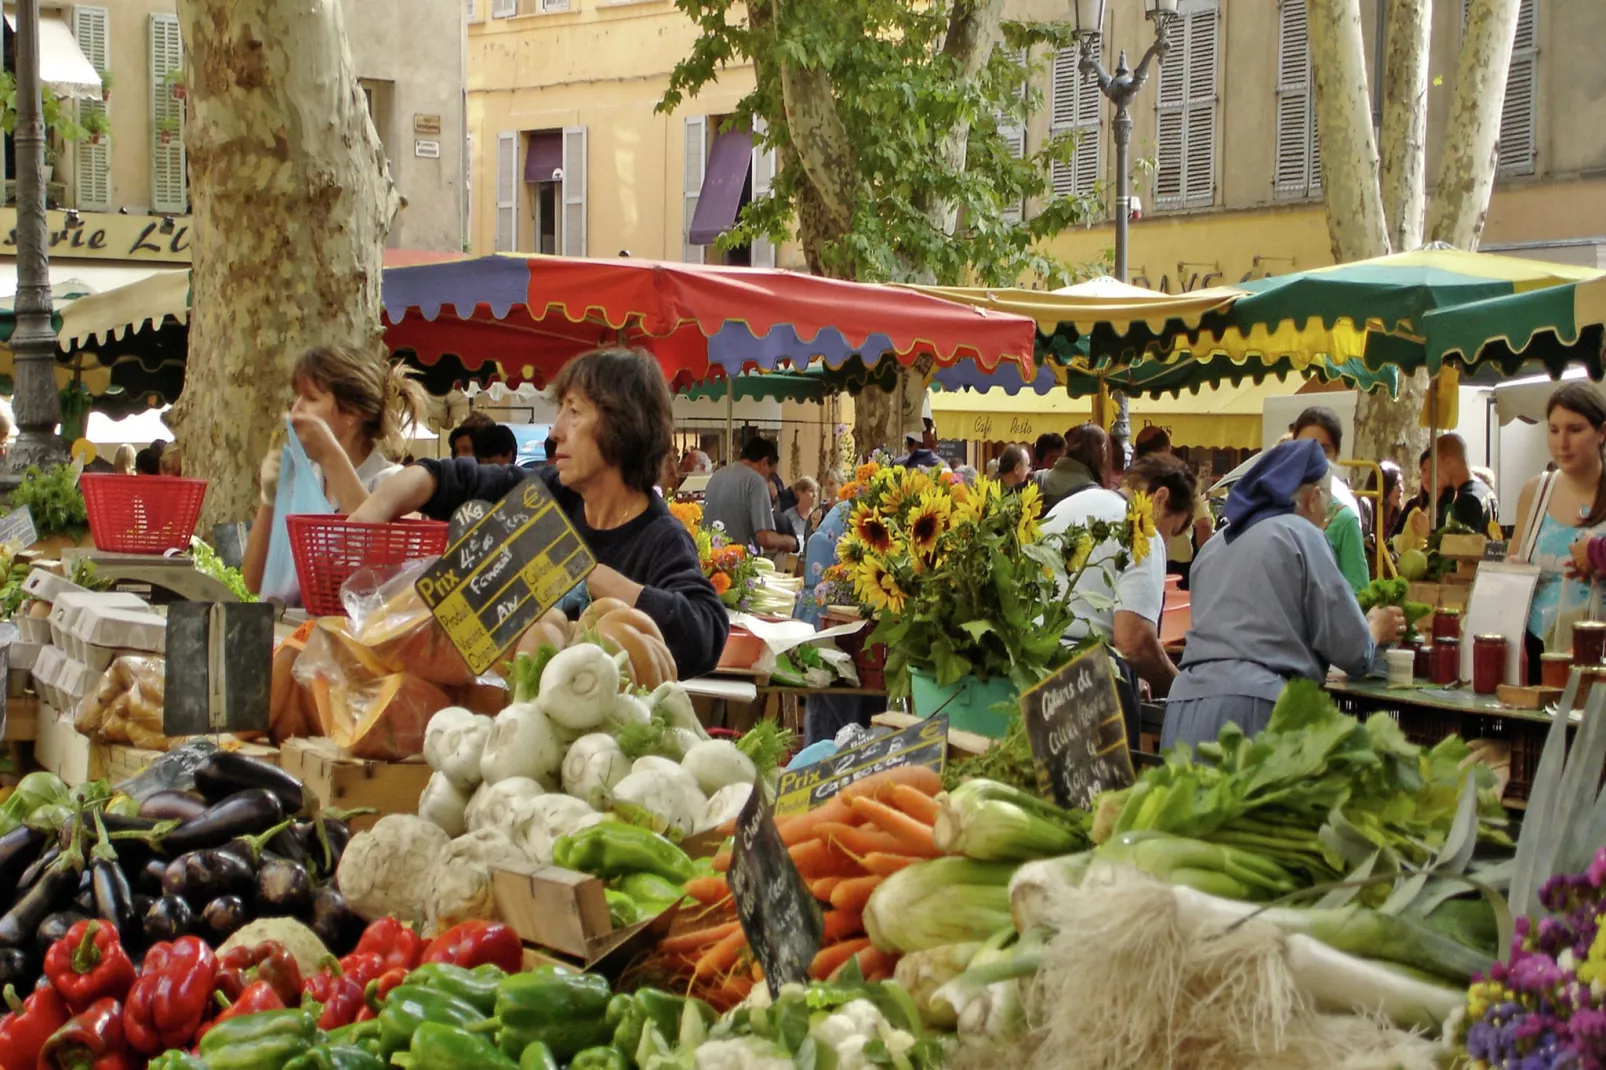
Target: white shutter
<point>1013,130</point>
<point>1075,107</point>
<point>1298,172</point>
<point>762,250</point>
<point>554,5</point>
<point>1519,113</point>
<point>169,180</point>
<point>574,191</point>
<point>693,171</point>
<point>1185,127</point>
<point>507,193</point>
<point>92,162</point>
<point>473,11</point>
<point>504,9</point>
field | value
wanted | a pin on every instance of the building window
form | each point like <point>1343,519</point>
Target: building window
<point>169,177</point>
<point>504,9</point>
<point>1299,169</point>
<point>1185,125</point>
<point>543,173</point>
<point>507,193</point>
<point>575,168</point>
<point>1075,108</point>
<point>1519,115</point>
<point>723,168</point>
<point>92,157</point>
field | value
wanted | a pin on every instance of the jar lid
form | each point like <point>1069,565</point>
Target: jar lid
<point>1447,640</point>
<point>1488,638</point>
<point>1556,656</point>
<point>1590,626</point>
<point>1452,611</point>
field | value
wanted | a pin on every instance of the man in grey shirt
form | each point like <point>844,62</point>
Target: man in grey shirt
<point>738,497</point>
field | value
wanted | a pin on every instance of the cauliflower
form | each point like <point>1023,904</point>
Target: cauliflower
<point>854,1025</point>
<point>742,1053</point>
<point>389,869</point>
<point>461,890</point>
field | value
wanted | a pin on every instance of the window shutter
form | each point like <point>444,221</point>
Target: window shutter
<point>473,11</point>
<point>507,192</point>
<point>574,191</point>
<point>1297,172</point>
<point>762,250</point>
<point>169,179</point>
<point>1519,113</point>
<point>1013,132</point>
<point>554,5</point>
<point>504,9</point>
<point>92,162</point>
<point>1076,107</point>
<point>694,169</point>
<point>1185,123</point>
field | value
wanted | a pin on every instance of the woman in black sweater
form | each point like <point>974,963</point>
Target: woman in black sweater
<point>612,434</point>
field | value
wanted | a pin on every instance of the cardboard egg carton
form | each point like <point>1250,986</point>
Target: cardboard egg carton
<point>23,654</point>
<point>61,680</point>
<point>47,586</point>
<point>33,629</point>
<point>67,608</point>
<point>114,631</point>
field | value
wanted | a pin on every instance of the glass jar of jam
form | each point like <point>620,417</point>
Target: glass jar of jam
<point>1424,661</point>
<point>1589,642</point>
<point>1488,663</point>
<point>1555,669</point>
<point>1446,661</point>
<point>1446,624</point>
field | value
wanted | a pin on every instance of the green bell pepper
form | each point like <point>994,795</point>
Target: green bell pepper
<point>537,1056</point>
<point>647,888</point>
<point>436,1046</point>
<point>601,1058</point>
<point>631,1014</point>
<point>612,849</point>
<point>565,1011</point>
<point>176,1060</point>
<point>476,987</point>
<point>356,1035</point>
<point>336,1057</point>
<point>623,911</point>
<point>259,1041</point>
<point>410,1006</point>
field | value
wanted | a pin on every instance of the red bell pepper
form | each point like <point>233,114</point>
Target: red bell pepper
<point>91,1041</point>
<point>478,943</point>
<point>25,1030</point>
<point>258,996</point>
<point>397,946</point>
<point>172,996</point>
<point>377,990</point>
<point>88,965</point>
<point>268,961</point>
<point>339,994</point>
<point>362,967</point>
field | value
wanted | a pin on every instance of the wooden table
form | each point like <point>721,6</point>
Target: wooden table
<point>760,701</point>
<point>1428,714</point>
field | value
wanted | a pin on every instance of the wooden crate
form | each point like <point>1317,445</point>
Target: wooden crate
<point>567,913</point>
<point>350,783</point>
<point>22,719</point>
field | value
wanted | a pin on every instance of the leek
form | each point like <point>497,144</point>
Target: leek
<point>1215,869</point>
<point>943,901</point>
<point>993,822</point>
<point>924,972</point>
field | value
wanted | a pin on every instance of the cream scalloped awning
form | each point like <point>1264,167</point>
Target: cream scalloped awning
<point>113,312</point>
<point>63,67</point>
<point>1102,300</point>
<point>1226,417</point>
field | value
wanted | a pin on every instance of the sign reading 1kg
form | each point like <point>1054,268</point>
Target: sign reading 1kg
<point>507,568</point>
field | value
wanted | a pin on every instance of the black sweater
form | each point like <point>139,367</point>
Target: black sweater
<point>653,550</point>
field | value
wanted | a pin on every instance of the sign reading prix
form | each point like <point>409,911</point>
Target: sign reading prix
<point>814,785</point>
<point>509,567</point>
<point>108,236</point>
<point>1076,731</point>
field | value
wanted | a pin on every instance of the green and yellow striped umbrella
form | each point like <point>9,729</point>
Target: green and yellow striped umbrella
<point>1556,326</point>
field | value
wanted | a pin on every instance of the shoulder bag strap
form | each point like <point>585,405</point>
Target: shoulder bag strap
<point>1530,538</point>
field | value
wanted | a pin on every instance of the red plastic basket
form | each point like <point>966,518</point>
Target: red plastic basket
<point>329,548</point>
<point>141,514</point>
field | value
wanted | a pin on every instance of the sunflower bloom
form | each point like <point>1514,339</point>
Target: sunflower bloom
<point>968,509</point>
<point>927,521</point>
<point>1140,547</point>
<point>850,550</point>
<point>1031,502</point>
<point>1140,516</point>
<point>870,528</point>
<point>1080,553</point>
<point>877,586</point>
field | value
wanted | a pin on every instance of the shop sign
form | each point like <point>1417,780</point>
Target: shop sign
<point>1076,731</point>
<point>427,150</point>
<point>426,125</point>
<point>108,236</point>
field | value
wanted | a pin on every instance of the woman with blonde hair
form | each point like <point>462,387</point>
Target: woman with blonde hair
<point>351,409</point>
<point>123,460</point>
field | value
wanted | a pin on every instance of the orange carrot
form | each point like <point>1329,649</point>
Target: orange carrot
<point>915,836</point>
<point>708,889</point>
<point>722,862</point>
<point>823,887</point>
<point>795,828</point>
<point>831,958</point>
<point>697,938</point>
<point>873,964</point>
<point>816,858</point>
<point>855,893</point>
<point>915,776</point>
<point>880,863</point>
<point>722,956</point>
<point>841,924</point>
<point>917,804</point>
<point>861,841</point>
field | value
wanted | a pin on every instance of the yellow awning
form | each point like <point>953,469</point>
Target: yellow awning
<point>1088,304</point>
<point>1226,417</point>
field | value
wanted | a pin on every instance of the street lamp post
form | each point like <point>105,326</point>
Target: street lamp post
<point>33,342</point>
<point>1120,88</point>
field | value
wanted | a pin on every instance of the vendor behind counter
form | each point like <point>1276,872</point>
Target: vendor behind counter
<point>612,434</point>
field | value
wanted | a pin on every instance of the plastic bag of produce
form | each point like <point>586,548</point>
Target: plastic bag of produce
<point>173,771</point>
<point>290,708</point>
<point>383,720</point>
<point>392,621</point>
<point>300,490</point>
<point>127,706</point>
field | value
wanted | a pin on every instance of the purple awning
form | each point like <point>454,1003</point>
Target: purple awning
<point>545,158</point>
<point>721,196</point>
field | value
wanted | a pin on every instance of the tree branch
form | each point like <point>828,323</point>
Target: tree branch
<point>974,29</point>
<point>823,147</point>
<point>1344,117</point>
<point>1405,121</point>
<point>1472,144</point>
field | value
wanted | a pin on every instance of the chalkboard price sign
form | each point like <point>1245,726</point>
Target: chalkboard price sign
<point>926,744</point>
<point>783,923</point>
<point>1077,734</point>
<point>507,567</point>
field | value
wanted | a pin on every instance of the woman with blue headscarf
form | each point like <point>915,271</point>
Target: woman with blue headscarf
<point>1269,603</point>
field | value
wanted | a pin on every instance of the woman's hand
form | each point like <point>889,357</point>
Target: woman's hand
<point>1579,567</point>
<point>269,476</point>
<point>316,437</point>
<point>1387,624</point>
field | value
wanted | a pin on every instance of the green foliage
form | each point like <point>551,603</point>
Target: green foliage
<point>59,114</point>
<point>208,563</point>
<point>766,744</point>
<point>898,94</point>
<point>55,500</point>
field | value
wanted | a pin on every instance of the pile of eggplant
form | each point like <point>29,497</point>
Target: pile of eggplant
<point>244,844</point>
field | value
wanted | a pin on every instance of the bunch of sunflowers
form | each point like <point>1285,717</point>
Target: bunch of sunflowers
<point>728,566</point>
<point>962,580</point>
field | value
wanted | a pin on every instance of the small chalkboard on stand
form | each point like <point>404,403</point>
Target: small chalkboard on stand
<point>218,675</point>
<point>778,913</point>
<point>507,564</point>
<point>1076,731</point>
